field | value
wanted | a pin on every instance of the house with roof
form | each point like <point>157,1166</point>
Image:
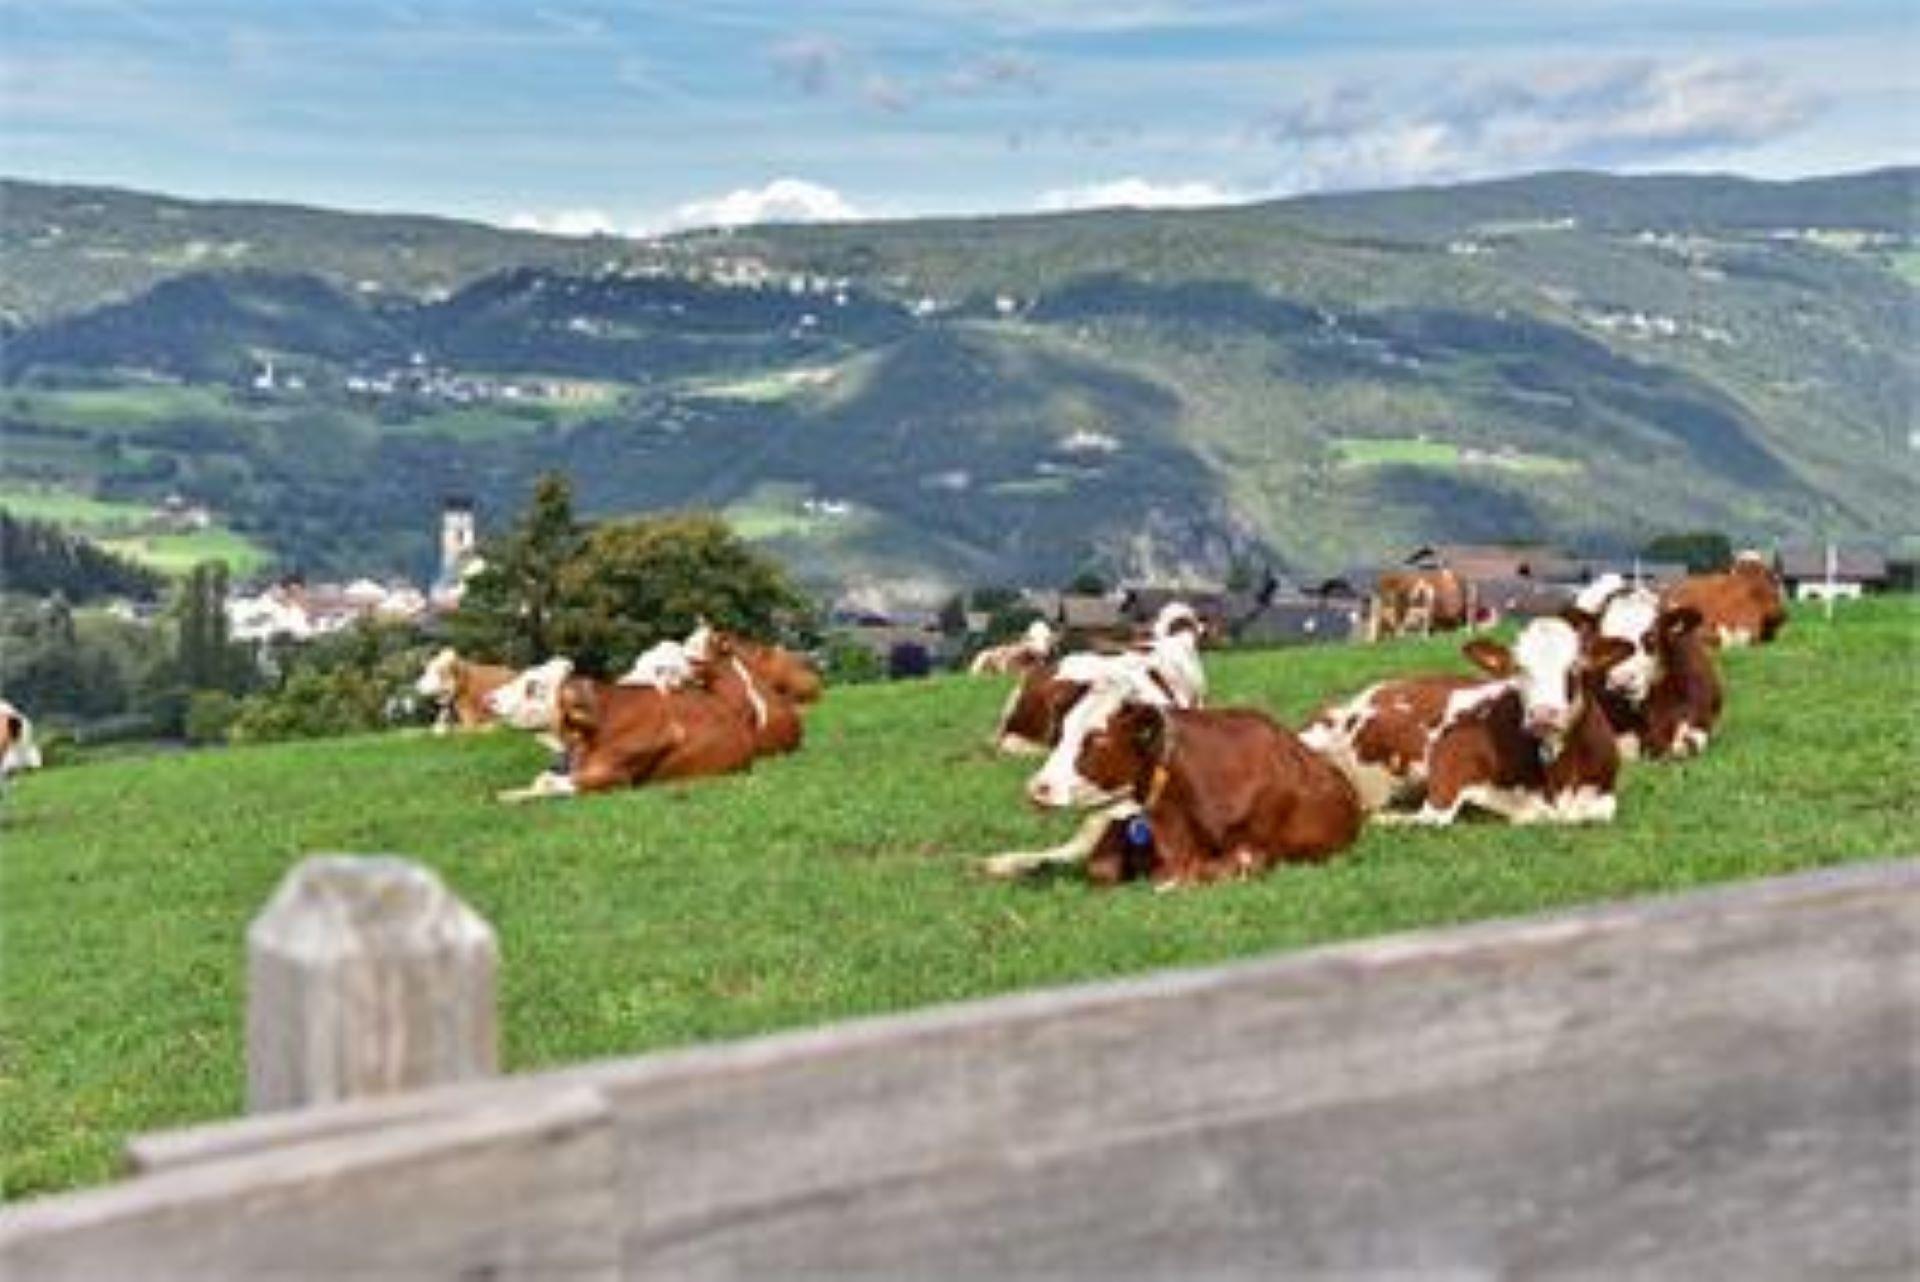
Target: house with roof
<point>1813,572</point>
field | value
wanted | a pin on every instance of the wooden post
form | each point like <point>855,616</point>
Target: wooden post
<point>366,975</point>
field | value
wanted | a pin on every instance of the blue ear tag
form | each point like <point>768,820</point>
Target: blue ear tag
<point>1139,833</point>
<point>561,763</point>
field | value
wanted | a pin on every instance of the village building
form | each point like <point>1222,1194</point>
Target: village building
<point>1810,572</point>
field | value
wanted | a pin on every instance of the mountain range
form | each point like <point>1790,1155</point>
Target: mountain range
<point>908,406</point>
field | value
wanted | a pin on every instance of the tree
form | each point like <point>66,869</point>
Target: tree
<point>1088,583</point>
<point>508,610</point>
<point>636,582</point>
<point>206,657</point>
<point>953,616</point>
<point>1702,551</point>
<point>38,558</point>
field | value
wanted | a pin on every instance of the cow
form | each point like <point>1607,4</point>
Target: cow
<point>776,725</point>
<point>1420,602</point>
<point>1379,738</point>
<point>461,687</point>
<point>1166,668</point>
<point>1178,796</point>
<point>777,669</point>
<point>666,665</point>
<point>1664,700</point>
<point>621,736</point>
<point>1742,606</point>
<point>1034,648</point>
<point>18,751</point>
<point>1532,745</point>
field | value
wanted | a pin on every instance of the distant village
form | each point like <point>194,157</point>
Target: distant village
<point>1506,582</point>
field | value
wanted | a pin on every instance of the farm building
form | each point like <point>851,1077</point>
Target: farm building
<point>1486,562</point>
<point>1298,619</point>
<point>1804,572</point>
<point>1087,616</point>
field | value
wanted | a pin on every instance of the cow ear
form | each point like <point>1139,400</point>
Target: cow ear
<point>579,707</point>
<point>1148,729</point>
<point>1677,623</point>
<point>1580,620</point>
<point>1489,656</point>
<point>1604,652</point>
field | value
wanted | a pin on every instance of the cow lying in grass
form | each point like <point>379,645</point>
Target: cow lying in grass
<point>1032,650</point>
<point>1181,795</point>
<point>1664,699</point>
<point>778,670</point>
<point>622,736</point>
<point>723,669</point>
<point>18,752</point>
<point>1166,669</point>
<point>1532,745</point>
<point>461,686</point>
<point>1743,606</point>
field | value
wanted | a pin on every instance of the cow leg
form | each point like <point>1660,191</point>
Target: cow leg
<point>443,720</point>
<point>547,784</point>
<point>1070,853</point>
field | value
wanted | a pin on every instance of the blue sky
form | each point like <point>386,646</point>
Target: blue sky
<point>638,115</point>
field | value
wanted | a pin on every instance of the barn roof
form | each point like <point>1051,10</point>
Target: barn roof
<point>1809,561</point>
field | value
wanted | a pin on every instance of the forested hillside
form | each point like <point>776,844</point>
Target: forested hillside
<point>1313,382</point>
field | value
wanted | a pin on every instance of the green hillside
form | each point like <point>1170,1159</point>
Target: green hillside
<point>1575,357</point>
<point>834,883</point>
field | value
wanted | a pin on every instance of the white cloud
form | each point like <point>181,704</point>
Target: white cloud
<point>784,200</point>
<point>1623,111</point>
<point>1136,193</point>
<point>567,222</point>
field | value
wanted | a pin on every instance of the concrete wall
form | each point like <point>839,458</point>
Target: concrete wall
<point>1715,1085</point>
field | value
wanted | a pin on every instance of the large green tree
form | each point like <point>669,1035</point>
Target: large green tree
<point>638,581</point>
<point>507,613</point>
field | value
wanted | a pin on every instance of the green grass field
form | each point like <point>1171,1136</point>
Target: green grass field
<point>71,509</point>
<point>178,553</point>
<point>124,408</point>
<point>832,884</point>
<point>1358,451</point>
<point>110,523</point>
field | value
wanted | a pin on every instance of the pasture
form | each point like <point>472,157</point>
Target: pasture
<point>116,525</point>
<point>835,883</point>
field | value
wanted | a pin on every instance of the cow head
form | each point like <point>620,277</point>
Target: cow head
<point>1111,741</point>
<point>531,700</point>
<point>441,677</point>
<point>1633,617</point>
<point>1178,617</point>
<point>1036,709</point>
<point>1549,666</point>
<point>17,749</point>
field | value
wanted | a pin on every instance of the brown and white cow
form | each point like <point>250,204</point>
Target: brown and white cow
<point>622,736</point>
<point>1183,795</point>
<point>18,752</point>
<point>776,669</point>
<point>1419,603</point>
<point>1165,669</point>
<point>776,723</point>
<point>1663,700</point>
<point>1743,606</point>
<point>1532,746</point>
<point>461,687</point>
<point>1379,738</point>
<point>1034,648</point>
